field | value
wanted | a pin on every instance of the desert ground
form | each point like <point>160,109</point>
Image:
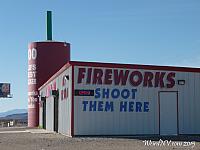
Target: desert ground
<point>38,139</point>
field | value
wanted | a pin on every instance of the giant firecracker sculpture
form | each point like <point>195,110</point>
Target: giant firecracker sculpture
<point>44,59</point>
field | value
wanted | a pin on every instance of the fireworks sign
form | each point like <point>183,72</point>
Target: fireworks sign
<point>115,89</point>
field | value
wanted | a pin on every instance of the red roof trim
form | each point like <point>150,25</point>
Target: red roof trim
<point>135,66</point>
<point>115,65</point>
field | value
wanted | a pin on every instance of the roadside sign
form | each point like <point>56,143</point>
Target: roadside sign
<point>5,90</point>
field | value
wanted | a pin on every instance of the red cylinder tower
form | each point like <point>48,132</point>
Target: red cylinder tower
<point>44,60</point>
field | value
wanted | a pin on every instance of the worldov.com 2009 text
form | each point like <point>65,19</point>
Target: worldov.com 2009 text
<point>169,143</point>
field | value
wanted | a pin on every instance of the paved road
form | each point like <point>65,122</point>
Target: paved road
<point>37,139</point>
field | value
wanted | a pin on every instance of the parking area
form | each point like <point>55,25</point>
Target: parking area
<point>39,139</point>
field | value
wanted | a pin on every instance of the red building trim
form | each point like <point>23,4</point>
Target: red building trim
<point>135,66</point>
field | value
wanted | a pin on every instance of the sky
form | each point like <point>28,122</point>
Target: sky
<point>156,32</point>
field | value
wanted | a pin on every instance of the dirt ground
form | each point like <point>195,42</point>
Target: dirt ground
<point>25,139</point>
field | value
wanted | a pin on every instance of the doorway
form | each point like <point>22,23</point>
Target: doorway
<point>168,112</point>
<point>56,113</point>
<point>43,112</point>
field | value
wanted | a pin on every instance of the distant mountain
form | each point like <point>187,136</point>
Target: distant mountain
<point>14,111</point>
<point>22,116</point>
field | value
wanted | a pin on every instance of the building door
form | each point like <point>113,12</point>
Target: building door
<point>44,114</point>
<point>56,113</point>
<point>168,102</point>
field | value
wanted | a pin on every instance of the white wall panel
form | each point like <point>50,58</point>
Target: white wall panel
<point>40,116</point>
<point>122,123</point>
<point>64,121</point>
<point>50,113</point>
<point>64,105</point>
<point>197,104</point>
<point>42,94</point>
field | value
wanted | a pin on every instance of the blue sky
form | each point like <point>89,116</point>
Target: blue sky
<point>158,32</point>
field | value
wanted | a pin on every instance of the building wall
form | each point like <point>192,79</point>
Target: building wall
<point>81,120</point>
<point>64,120</point>
<point>64,104</point>
<point>50,113</point>
<point>46,92</point>
<point>116,122</point>
<point>189,101</point>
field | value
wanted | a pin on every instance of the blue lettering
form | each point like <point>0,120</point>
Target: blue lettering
<point>125,93</point>
<point>123,106</point>
<point>100,106</point>
<point>146,106</point>
<point>133,93</point>
<point>115,95</point>
<point>93,106</point>
<point>109,106</point>
<point>138,107</point>
<point>85,105</point>
<point>105,93</point>
<point>97,93</point>
<point>131,104</point>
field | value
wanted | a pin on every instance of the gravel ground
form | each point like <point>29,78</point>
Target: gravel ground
<point>52,141</point>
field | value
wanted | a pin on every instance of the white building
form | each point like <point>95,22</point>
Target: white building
<point>85,98</point>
